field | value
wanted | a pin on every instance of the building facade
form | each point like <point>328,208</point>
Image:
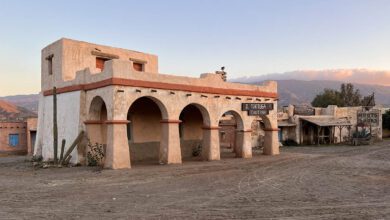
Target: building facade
<point>18,137</point>
<point>307,125</point>
<point>122,102</point>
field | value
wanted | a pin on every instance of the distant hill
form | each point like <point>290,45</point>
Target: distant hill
<point>303,92</point>
<point>11,112</point>
<point>29,102</point>
<point>301,86</point>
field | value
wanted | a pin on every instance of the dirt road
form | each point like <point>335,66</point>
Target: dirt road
<point>330,182</point>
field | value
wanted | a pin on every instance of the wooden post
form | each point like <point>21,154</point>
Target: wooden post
<point>55,128</point>
<point>62,149</point>
<point>318,134</point>
<point>71,148</point>
<point>340,129</point>
<point>66,162</point>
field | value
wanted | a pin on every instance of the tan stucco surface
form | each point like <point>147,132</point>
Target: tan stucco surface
<point>74,73</point>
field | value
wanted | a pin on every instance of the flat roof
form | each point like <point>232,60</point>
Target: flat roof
<point>286,124</point>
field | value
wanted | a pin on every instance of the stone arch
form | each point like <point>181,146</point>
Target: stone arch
<point>96,124</point>
<point>144,131</point>
<point>194,118</point>
<point>231,134</point>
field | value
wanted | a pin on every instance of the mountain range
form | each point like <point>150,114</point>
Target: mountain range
<point>11,112</point>
<point>300,87</point>
<point>28,102</point>
<point>358,76</point>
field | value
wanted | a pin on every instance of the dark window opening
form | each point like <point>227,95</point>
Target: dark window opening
<point>50,64</point>
<point>100,62</point>
<point>138,66</point>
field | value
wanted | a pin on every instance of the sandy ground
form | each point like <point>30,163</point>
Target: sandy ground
<point>330,182</point>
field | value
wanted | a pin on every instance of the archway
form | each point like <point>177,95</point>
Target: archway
<point>194,118</point>
<point>144,130</point>
<point>97,129</point>
<point>257,135</point>
<point>231,134</point>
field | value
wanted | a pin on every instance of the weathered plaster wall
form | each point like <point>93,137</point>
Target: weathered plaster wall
<point>147,151</point>
<point>192,123</point>
<point>145,121</point>
<point>68,120</point>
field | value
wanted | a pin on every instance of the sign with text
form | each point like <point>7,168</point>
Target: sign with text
<point>255,109</point>
<point>368,117</point>
<point>257,106</point>
<point>258,112</point>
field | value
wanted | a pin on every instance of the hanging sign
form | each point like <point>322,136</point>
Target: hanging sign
<point>255,109</point>
<point>258,112</point>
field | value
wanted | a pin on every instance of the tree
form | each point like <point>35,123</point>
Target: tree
<point>350,96</point>
<point>327,97</point>
<point>347,96</point>
<point>369,100</point>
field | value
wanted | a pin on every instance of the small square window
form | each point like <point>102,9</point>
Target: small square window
<point>100,62</point>
<point>13,140</point>
<point>138,66</point>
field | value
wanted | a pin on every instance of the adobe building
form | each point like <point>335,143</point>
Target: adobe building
<point>308,126</point>
<point>122,102</point>
<point>18,137</point>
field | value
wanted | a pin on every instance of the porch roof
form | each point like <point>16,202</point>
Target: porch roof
<point>328,121</point>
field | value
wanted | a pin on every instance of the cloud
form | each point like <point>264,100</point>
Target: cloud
<point>361,76</point>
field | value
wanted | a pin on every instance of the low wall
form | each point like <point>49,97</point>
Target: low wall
<point>188,146</point>
<point>149,151</point>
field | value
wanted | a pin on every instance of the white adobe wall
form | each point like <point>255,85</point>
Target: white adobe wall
<point>68,120</point>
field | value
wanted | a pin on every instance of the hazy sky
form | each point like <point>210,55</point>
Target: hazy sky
<point>192,37</point>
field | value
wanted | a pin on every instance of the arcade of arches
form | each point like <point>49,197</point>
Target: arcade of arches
<point>151,137</point>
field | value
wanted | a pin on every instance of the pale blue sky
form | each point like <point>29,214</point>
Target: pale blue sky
<point>192,37</point>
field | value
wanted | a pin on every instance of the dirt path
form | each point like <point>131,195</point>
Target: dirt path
<point>302,183</point>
